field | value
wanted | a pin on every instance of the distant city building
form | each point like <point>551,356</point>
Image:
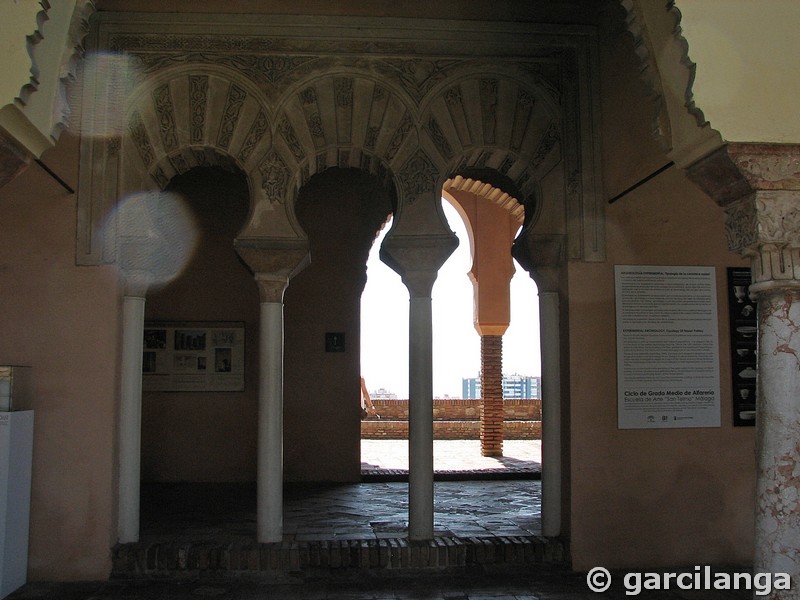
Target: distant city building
<point>382,394</point>
<point>514,387</point>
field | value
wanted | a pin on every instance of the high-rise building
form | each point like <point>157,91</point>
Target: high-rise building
<point>514,386</point>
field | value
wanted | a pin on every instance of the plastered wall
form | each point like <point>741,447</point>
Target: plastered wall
<point>341,210</point>
<point>649,497</point>
<point>207,436</point>
<point>63,321</point>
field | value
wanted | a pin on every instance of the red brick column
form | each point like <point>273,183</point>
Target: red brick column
<point>492,395</point>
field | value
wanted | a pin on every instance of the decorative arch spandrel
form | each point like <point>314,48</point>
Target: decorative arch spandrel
<point>339,94</point>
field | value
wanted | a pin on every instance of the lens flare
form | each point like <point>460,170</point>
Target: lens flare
<point>156,236</point>
<point>107,81</point>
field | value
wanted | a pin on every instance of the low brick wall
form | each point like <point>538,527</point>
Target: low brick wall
<point>455,419</point>
<point>385,429</point>
<point>456,409</point>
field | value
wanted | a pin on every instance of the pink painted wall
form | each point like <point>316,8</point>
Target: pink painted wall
<point>341,210</point>
<point>63,321</point>
<point>207,436</point>
<point>647,497</point>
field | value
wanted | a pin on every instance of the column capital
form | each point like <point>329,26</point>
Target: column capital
<point>765,226</point>
<point>135,283</point>
<point>542,256</point>
<point>758,185</point>
<point>271,287</point>
<point>418,258</point>
<point>273,261</point>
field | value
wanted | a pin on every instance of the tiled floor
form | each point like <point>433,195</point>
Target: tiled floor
<point>362,511</point>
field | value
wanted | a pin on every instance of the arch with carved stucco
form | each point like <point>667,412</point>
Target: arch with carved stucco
<point>283,109</point>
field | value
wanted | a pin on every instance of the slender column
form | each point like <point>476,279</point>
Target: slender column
<point>492,395</point>
<point>130,418</point>
<point>777,547</point>
<point>420,426</point>
<point>543,256</point>
<point>427,257</point>
<point>274,262</point>
<point>269,513</point>
<point>757,184</point>
<point>551,413</point>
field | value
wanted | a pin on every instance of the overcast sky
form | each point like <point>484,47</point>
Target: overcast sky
<point>456,344</point>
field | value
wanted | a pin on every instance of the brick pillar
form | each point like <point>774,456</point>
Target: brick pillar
<point>492,395</point>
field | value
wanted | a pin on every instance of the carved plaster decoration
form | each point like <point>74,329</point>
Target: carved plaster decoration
<point>741,225</point>
<point>68,72</point>
<point>270,71</point>
<point>233,107</point>
<point>417,76</point>
<point>439,139</point>
<point>257,131</point>
<point>417,177</point>
<point>662,127</point>
<point>162,100</point>
<point>522,118</point>
<point>454,99</point>
<point>290,102</point>
<point>687,63</point>
<point>488,94</point>
<point>343,91</point>
<point>406,125</point>
<point>287,133</point>
<point>673,50</point>
<point>141,139</point>
<point>198,100</point>
<point>274,178</point>
<point>31,40</point>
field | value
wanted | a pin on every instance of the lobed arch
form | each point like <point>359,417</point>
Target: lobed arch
<point>414,121</point>
<point>514,126</point>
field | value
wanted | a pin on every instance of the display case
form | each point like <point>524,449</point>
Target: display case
<point>16,453</point>
<point>15,388</point>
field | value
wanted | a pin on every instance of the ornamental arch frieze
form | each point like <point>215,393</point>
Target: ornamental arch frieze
<point>417,116</point>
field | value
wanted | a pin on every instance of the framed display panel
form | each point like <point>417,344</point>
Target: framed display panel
<point>743,313</point>
<point>193,357</point>
<point>667,347</point>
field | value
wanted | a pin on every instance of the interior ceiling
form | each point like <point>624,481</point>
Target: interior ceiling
<point>540,11</point>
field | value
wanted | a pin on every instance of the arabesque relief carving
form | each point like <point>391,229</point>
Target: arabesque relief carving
<point>286,107</point>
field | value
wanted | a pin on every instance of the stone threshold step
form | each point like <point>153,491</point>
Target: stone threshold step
<point>330,557</point>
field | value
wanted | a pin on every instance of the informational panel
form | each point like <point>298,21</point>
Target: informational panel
<point>743,313</point>
<point>193,357</point>
<point>667,347</point>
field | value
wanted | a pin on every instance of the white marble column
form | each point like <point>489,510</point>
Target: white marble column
<point>130,418</point>
<point>269,512</point>
<point>270,424</point>
<point>420,426</point>
<point>273,263</point>
<point>549,317</point>
<point>543,257</point>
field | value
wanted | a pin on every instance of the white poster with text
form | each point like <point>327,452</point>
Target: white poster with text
<point>667,347</point>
